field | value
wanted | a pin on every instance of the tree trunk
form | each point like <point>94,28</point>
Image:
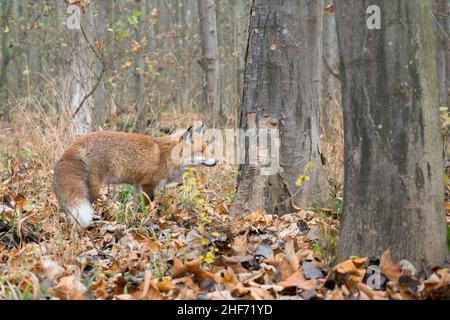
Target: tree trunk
<point>330,71</point>
<point>209,61</point>
<point>441,32</point>
<point>6,7</point>
<point>282,90</point>
<point>393,188</point>
<point>138,99</point>
<point>80,78</point>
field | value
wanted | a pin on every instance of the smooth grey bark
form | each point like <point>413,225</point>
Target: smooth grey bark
<point>80,77</point>
<point>209,61</point>
<point>138,67</point>
<point>6,7</point>
<point>282,90</point>
<point>331,87</point>
<point>441,32</point>
<point>239,9</point>
<point>393,188</point>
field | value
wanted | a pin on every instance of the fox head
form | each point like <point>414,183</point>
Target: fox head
<point>191,149</point>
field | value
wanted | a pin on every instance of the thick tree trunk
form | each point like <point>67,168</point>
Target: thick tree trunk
<point>80,78</point>
<point>441,32</point>
<point>209,61</point>
<point>282,90</point>
<point>393,189</point>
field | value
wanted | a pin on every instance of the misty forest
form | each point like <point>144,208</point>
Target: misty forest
<point>317,135</point>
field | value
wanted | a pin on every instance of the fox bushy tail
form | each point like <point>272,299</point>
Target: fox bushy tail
<point>70,182</point>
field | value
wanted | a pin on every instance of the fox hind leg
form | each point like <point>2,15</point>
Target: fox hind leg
<point>94,188</point>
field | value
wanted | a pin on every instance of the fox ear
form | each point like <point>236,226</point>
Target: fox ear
<point>182,134</point>
<point>194,131</point>
<point>199,127</point>
<point>187,135</point>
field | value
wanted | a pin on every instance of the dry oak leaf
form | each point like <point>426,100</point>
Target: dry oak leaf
<point>69,288</point>
<point>389,269</point>
<point>233,262</point>
<point>260,218</point>
<point>240,245</point>
<point>354,268</point>
<point>297,279</point>
<point>193,266</point>
<point>287,265</point>
<point>350,266</point>
<point>99,288</point>
<point>370,293</point>
<point>251,292</point>
<point>227,277</point>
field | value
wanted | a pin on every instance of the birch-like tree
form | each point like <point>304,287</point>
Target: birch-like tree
<point>209,61</point>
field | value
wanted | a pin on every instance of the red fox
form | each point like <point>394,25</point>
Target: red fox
<point>107,157</point>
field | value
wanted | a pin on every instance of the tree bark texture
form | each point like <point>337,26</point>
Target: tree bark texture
<point>441,32</point>
<point>81,76</point>
<point>282,90</point>
<point>393,188</point>
<point>209,61</point>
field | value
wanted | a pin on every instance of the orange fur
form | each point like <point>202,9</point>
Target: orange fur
<point>107,157</point>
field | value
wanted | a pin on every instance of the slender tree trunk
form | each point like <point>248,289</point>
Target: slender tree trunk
<point>393,189</point>
<point>234,16</point>
<point>138,70</point>
<point>110,50</point>
<point>282,90</point>
<point>6,7</point>
<point>80,78</point>
<point>330,71</point>
<point>441,32</point>
<point>209,61</point>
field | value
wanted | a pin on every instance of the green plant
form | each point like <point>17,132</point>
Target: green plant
<point>317,248</point>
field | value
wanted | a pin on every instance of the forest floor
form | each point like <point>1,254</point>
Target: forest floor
<point>184,246</point>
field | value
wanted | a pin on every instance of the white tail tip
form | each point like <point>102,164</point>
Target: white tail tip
<point>82,213</point>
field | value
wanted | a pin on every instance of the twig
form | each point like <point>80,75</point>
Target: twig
<point>438,23</point>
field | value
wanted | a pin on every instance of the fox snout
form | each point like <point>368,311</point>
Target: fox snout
<point>192,150</point>
<point>200,161</point>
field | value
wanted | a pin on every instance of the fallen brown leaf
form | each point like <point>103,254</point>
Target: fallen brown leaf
<point>389,269</point>
<point>69,288</point>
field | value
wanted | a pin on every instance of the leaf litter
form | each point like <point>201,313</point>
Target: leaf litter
<point>183,246</point>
